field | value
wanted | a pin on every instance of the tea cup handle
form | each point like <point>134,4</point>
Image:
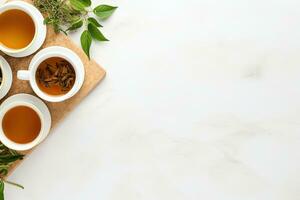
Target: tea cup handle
<point>23,75</point>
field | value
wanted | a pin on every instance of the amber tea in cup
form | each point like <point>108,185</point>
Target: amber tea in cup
<point>21,124</point>
<point>55,76</point>
<point>17,29</point>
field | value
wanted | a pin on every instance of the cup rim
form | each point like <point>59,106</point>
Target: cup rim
<point>8,142</point>
<point>35,103</point>
<point>7,77</point>
<point>19,5</point>
<point>62,52</point>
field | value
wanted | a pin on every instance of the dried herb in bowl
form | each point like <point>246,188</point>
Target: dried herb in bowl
<point>55,76</point>
<point>69,15</point>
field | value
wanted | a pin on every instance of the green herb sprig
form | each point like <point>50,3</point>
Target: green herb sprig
<point>7,158</point>
<point>69,15</point>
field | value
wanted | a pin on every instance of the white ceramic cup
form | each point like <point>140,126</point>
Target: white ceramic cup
<point>35,16</point>
<point>54,51</point>
<point>38,106</point>
<point>6,77</point>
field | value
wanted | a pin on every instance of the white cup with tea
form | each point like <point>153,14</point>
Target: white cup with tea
<point>55,74</point>
<point>25,121</point>
<point>5,77</point>
<point>22,29</point>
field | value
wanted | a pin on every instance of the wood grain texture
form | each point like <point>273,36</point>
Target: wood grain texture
<point>94,73</point>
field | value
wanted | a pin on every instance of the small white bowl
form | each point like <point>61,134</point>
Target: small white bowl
<point>38,106</point>
<point>6,77</point>
<point>40,28</point>
<point>54,51</point>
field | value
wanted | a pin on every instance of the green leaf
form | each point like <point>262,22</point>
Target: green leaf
<point>6,159</point>
<point>94,22</point>
<point>104,11</point>
<point>80,4</point>
<point>1,190</point>
<point>75,25</point>
<point>96,33</point>
<point>86,41</point>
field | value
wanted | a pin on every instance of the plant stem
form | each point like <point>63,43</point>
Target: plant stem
<point>12,183</point>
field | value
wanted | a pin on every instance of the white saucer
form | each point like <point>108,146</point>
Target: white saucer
<point>41,35</point>
<point>6,76</point>
<point>26,99</point>
<point>22,97</point>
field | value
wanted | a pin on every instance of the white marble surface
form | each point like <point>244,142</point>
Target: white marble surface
<point>201,101</point>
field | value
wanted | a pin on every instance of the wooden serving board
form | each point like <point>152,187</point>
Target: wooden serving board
<point>93,75</point>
